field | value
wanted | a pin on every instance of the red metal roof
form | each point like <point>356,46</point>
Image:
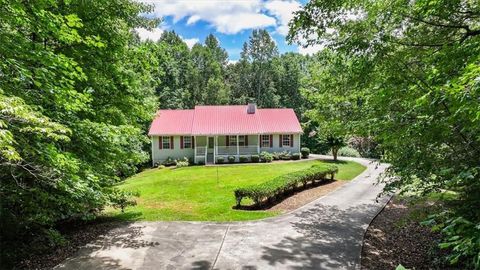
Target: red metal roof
<point>224,120</point>
<point>172,122</point>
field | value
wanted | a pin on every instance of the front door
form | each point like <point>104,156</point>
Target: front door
<point>211,142</point>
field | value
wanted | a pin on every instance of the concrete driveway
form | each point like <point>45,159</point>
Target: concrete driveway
<point>325,234</point>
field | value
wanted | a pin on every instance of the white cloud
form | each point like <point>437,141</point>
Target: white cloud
<point>283,11</point>
<point>226,16</point>
<point>152,35</point>
<point>156,33</point>
<point>312,49</point>
<point>190,41</point>
<point>232,62</point>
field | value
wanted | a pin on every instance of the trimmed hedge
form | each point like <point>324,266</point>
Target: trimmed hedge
<point>266,157</point>
<point>284,183</point>
<point>295,156</point>
<point>305,152</point>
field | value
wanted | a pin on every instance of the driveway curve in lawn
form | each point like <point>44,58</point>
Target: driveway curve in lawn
<point>324,234</point>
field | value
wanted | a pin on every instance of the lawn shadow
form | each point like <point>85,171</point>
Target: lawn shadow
<point>331,239</point>
<point>125,235</point>
<point>126,216</point>
<point>334,161</point>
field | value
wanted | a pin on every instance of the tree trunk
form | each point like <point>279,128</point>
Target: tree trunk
<point>334,153</point>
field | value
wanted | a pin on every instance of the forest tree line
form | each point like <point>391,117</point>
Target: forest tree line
<point>203,75</point>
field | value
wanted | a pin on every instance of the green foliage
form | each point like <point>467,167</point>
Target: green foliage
<point>182,162</point>
<point>266,157</point>
<point>406,76</point>
<point>243,159</point>
<point>284,183</point>
<point>348,152</point>
<point>255,158</point>
<point>335,143</point>
<point>296,156</point>
<point>122,199</point>
<point>284,155</point>
<point>305,151</point>
<point>462,238</point>
<point>220,160</point>
<point>76,96</point>
<point>365,146</point>
<point>231,159</point>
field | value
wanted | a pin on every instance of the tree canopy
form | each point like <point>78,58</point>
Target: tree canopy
<point>407,73</point>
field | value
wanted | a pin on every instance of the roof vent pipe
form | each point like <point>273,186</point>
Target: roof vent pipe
<point>251,108</point>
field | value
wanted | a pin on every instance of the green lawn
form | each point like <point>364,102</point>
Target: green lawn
<point>196,193</point>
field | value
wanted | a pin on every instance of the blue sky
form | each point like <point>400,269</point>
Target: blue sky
<point>231,21</point>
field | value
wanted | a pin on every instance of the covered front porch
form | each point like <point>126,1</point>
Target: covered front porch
<point>209,148</point>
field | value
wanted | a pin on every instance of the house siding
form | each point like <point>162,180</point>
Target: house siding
<point>276,148</point>
<point>159,155</point>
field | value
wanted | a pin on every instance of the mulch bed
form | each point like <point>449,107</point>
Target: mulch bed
<point>306,196</point>
<point>396,237</point>
<point>77,235</point>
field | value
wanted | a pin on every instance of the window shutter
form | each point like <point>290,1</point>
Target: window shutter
<point>246,140</point>
<point>193,142</point>
<point>280,143</point>
<point>227,139</point>
<point>291,140</point>
<point>171,142</point>
<point>271,140</point>
<point>181,142</point>
<point>160,144</point>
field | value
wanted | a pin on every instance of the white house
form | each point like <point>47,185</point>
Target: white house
<point>208,132</point>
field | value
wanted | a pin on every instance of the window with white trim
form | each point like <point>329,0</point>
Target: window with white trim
<point>265,140</point>
<point>187,142</point>
<point>166,142</point>
<point>241,140</point>
<point>232,140</point>
<point>286,140</point>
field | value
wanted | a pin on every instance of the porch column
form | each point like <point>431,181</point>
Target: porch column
<point>194,149</point>
<point>258,144</point>
<point>238,150</point>
<point>299,142</point>
<point>214,148</point>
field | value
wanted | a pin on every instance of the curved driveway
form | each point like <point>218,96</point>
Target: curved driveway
<point>324,234</point>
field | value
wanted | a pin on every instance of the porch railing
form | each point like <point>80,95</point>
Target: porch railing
<point>201,150</point>
<point>226,150</point>
<point>232,150</point>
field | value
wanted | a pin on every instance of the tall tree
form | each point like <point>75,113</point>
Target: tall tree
<point>256,67</point>
<point>75,95</point>
<point>207,78</point>
<point>175,62</point>
<point>420,66</point>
